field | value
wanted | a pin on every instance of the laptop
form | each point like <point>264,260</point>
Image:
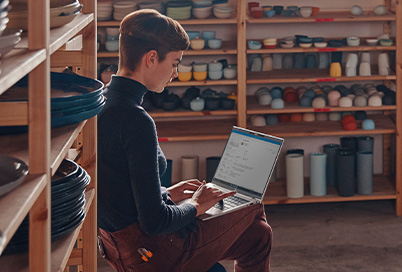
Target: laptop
<point>246,166</point>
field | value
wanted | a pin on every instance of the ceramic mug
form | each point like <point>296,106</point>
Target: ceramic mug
<point>335,69</point>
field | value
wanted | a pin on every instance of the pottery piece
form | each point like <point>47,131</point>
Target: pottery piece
<point>353,41</point>
<point>215,75</point>
<point>308,117</point>
<point>375,101</point>
<point>197,44</point>
<point>183,68</point>
<point>335,69</point>
<point>333,98</point>
<point>318,179</point>
<point>185,76</point>
<point>256,65</point>
<point>230,72</point>
<point>372,42</point>
<point>368,124</point>
<point>364,172</point>
<point>332,151</point>
<point>334,116</point>
<point>271,119</point>
<point>318,102</point>
<point>228,104</point>
<point>215,43</point>
<point>306,11</point>
<point>277,61</point>
<point>267,64</point>
<point>215,66</point>
<point>254,45</point>
<point>365,69</point>
<point>380,10</point>
<point>356,10</point>
<point>345,102</point>
<point>294,175</point>
<point>258,120</point>
<point>288,61</point>
<point>365,57</point>
<point>360,101</point>
<point>277,103</point>
<point>200,76</point>
<point>346,183</point>
<point>321,116</point>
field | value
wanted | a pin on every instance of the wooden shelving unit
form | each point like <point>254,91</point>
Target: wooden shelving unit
<point>213,127</point>
<point>43,148</point>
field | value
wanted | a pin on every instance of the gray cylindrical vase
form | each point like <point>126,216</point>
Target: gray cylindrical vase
<point>211,166</point>
<point>346,182</point>
<point>349,142</point>
<point>277,61</point>
<point>288,61</point>
<point>295,151</point>
<point>166,178</point>
<point>365,143</point>
<point>294,175</point>
<point>364,172</point>
<point>189,167</point>
<point>300,61</point>
<point>318,183</point>
<point>332,151</point>
<point>323,60</point>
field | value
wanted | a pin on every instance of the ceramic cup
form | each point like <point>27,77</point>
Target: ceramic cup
<point>365,69</point>
<point>335,69</point>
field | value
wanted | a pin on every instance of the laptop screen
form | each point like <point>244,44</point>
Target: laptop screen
<point>248,161</point>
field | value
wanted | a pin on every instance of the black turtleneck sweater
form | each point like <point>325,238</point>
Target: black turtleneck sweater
<point>130,164</point>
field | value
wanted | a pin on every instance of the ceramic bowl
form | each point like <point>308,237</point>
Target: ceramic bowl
<point>305,45</point>
<point>254,45</point>
<point>386,42</point>
<point>197,104</point>
<point>288,13</point>
<point>112,31</point>
<point>380,10</point>
<point>200,67</point>
<point>12,173</point>
<point>287,45</point>
<point>228,104</point>
<point>215,43</point>
<point>356,10</point>
<point>185,76</point>
<point>229,72</point>
<point>270,41</point>
<point>269,13</point>
<point>208,35</point>
<point>200,76</point>
<point>306,11</point>
<point>256,12</point>
<point>193,34</point>
<point>202,12</point>
<point>197,44</point>
<point>353,41</point>
<point>270,46</point>
<point>372,42</point>
<point>112,46</point>
<point>222,12</point>
<point>215,75</point>
<point>215,66</point>
<point>320,44</point>
<point>183,68</point>
<point>266,8</point>
<point>315,11</point>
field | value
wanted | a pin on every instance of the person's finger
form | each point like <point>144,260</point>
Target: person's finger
<point>225,195</point>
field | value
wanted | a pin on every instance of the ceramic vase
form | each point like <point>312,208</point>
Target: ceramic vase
<point>335,70</point>
<point>288,61</point>
<point>346,182</point>
<point>277,61</point>
<point>349,142</point>
<point>189,167</point>
<point>332,151</point>
<point>300,61</point>
<point>364,172</point>
<point>365,143</point>
<point>211,166</point>
<point>311,61</point>
<point>318,183</point>
<point>294,175</point>
<point>256,65</point>
<point>166,178</point>
<point>323,60</point>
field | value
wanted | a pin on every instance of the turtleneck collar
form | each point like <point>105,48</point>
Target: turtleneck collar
<point>124,85</point>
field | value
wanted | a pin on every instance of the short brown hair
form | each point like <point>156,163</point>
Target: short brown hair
<point>145,30</point>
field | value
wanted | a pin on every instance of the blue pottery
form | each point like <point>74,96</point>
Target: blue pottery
<point>276,92</point>
<point>306,101</point>
<point>310,93</point>
<point>288,61</point>
<point>311,61</point>
<point>368,124</point>
<point>271,119</point>
<point>300,61</point>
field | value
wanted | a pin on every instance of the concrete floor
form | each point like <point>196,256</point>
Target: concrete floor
<point>353,236</point>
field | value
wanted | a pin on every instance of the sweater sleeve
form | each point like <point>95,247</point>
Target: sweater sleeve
<point>154,215</point>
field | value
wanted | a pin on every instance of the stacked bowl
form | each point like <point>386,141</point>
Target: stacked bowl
<point>152,5</point>
<point>202,9</point>
<point>179,10</point>
<point>61,12</point>
<point>73,99</point>
<point>104,10</point>
<point>112,39</point>
<point>4,7</point>
<point>222,12</point>
<point>67,208</point>
<point>122,8</point>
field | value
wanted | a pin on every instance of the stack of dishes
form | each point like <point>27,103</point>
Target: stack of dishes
<point>12,173</point>
<point>9,39</point>
<point>67,208</point>
<point>4,7</point>
<point>73,99</point>
<point>122,8</point>
<point>202,9</point>
<point>179,10</point>
<point>152,5</point>
<point>104,10</point>
<point>61,12</point>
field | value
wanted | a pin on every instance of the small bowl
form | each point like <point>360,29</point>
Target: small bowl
<point>215,66</point>
<point>269,13</point>
<point>112,31</point>
<point>193,34</point>
<point>386,42</point>
<point>372,42</point>
<point>287,45</point>
<point>208,35</point>
<point>185,76</point>
<point>254,45</point>
<point>200,67</point>
<point>200,76</point>
<point>215,75</point>
<point>305,40</point>
<point>306,12</point>
<point>202,12</point>
<point>215,43</point>
<point>229,72</point>
<point>197,44</point>
<point>305,45</point>
<point>256,12</point>
<point>182,68</point>
<point>270,46</point>
<point>288,13</point>
<point>353,41</point>
<point>112,46</point>
<point>315,11</point>
<point>320,44</point>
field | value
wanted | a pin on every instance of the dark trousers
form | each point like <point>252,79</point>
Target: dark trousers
<point>243,236</point>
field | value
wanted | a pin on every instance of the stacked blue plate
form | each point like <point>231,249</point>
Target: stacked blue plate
<point>179,10</point>
<point>67,206</point>
<point>73,99</point>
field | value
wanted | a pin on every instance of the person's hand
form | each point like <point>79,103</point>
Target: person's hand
<point>206,196</point>
<point>183,190</point>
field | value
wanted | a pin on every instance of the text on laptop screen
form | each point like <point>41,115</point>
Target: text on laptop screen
<point>248,160</point>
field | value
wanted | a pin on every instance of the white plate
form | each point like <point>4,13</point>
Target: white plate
<point>9,39</point>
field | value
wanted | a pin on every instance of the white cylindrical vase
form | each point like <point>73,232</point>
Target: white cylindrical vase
<point>294,175</point>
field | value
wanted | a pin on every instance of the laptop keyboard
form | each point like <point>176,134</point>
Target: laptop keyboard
<point>230,202</point>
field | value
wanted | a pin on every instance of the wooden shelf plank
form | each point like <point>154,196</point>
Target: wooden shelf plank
<point>383,188</point>
<point>156,113</point>
<point>59,36</point>
<point>16,64</point>
<point>207,21</point>
<point>61,249</point>
<point>228,48</point>
<point>14,113</point>
<point>15,205</point>
<point>326,16</point>
<point>307,75</point>
<point>384,125</point>
<point>173,131</point>
<point>62,139</point>
<point>294,107</point>
<point>208,82</point>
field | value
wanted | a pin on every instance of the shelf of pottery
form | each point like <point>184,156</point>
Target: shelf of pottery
<point>205,91</point>
<point>302,82</point>
<point>43,131</point>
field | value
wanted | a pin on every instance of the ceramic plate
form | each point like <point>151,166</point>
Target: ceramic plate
<point>9,39</point>
<point>12,173</point>
<point>80,108</point>
<point>66,171</point>
<point>57,234</point>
